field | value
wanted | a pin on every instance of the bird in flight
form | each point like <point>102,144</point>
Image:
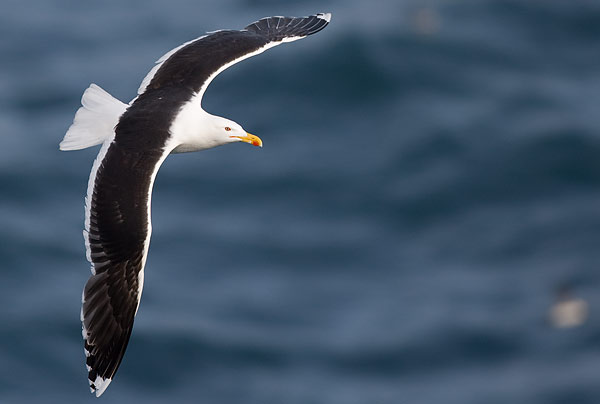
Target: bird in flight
<point>165,117</point>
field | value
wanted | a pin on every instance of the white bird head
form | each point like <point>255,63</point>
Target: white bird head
<point>228,131</point>
<point>195,130</point>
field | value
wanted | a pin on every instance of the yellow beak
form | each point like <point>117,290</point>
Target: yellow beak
<point>249,138</point>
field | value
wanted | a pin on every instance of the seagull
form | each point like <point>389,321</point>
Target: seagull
<point>166,117</point>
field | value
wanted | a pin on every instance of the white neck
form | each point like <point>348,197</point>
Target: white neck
<point>192,128</point>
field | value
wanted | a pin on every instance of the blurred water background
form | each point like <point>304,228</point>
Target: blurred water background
<point>430,176</point>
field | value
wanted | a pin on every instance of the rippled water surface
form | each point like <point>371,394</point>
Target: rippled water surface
<point>430,176</point>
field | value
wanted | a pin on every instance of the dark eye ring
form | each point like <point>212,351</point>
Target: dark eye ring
<point>227,128</point>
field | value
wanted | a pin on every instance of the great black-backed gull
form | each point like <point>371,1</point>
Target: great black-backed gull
<point>166,117</point>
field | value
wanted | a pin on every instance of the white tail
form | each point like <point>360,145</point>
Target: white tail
<point>95,121</point>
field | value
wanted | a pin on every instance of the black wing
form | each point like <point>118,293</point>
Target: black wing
<point>117,236</point>
<point>193,65</point>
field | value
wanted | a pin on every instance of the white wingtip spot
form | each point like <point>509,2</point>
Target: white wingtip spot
<point>100,385</point>
<point>324,16</point>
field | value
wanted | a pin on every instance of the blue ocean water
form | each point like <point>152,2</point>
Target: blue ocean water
<point>429,177</point>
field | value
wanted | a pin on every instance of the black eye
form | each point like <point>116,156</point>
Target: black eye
<point>227,128</point>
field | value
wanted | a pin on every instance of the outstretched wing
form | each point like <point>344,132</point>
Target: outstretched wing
<point>196,63</point>
<point>117,235</point>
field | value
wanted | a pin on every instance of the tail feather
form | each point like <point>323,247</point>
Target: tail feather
<point>95,121</point>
